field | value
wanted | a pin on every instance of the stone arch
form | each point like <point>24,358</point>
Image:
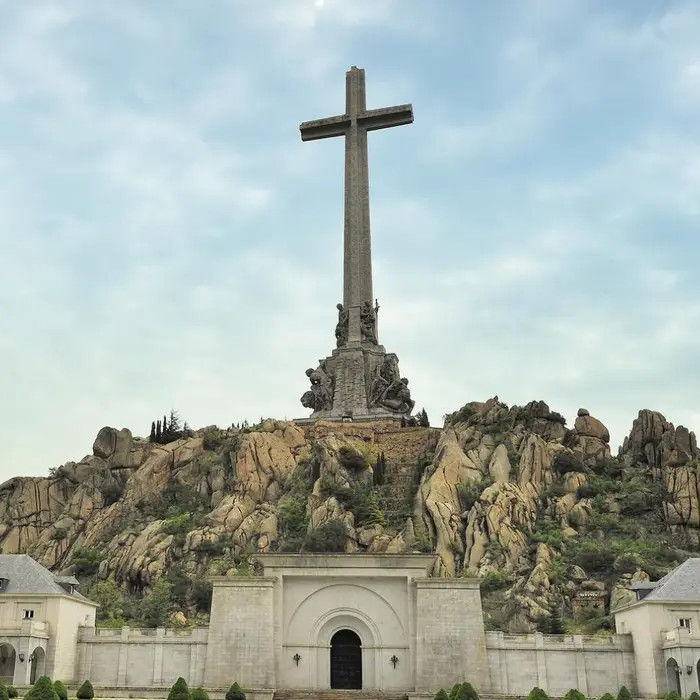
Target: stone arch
<point>8,658</point>
<point>697,673</point>
<point>38,664</point>
<point>353,621</point>
<point>673,676</point>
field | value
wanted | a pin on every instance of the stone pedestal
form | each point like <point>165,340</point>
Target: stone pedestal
<point>348,385</point>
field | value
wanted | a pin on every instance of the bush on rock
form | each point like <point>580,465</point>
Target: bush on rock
<point>85,692</point>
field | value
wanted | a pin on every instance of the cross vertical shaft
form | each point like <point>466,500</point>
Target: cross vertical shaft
<point>357,247</point>
<point>357,277</point>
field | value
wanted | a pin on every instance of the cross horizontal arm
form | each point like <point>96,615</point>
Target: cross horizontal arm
<point>388,116</point>
<point>324,128</point>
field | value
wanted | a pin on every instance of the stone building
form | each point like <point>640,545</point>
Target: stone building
<point>664,623</point>
<point>314,622</point>
<point>40,615</point>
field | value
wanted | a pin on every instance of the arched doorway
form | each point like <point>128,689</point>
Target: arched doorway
<point>346,660</point>
<point>673,676</point>
<point>7,663</point>
<point>37,659</point>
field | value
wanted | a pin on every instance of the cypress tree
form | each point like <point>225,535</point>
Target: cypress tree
<point>158,431</point>
<point>153,431</point>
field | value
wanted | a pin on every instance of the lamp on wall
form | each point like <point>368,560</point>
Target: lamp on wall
<point>297,658</point>
<point>21,658</point>
<point>394,660</point>
<point>689,670</point>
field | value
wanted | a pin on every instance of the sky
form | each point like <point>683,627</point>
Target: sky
<point>167,240</point>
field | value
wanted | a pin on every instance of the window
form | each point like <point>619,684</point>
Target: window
<point>28,614</point>
<point>684,623</point>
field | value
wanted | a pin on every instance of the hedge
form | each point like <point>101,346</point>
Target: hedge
<point>61,690</point>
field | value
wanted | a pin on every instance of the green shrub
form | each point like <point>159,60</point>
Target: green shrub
<point>607,696</point>
<point>4,695</point>
<point>574,694</point>
<point>61,690</point>
<point>693,696</point>
<point>86,561</point>
<point>352,459</point>
<point>441,695</point>
<point>42,690</point>
<point>467,692</point>
<point>199,694</point>
<point>454,691</point>
<point>179,690</point>
<point>566,462</point>
<point>85,692</point>
<point>625,694</point>
<point>537,694</point>
<point>494,581</point>
<point>12,692</point>
<point>330,537</point>
<point>235,692</point>
<point>673,695</point>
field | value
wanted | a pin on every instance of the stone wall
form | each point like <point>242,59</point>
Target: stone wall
<point>141,658</point>
<point>449,634</point>
<point>556,663</point>
<point>241,633</point>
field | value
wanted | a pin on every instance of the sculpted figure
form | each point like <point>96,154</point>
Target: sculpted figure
<point>341,328</point>
<point>320,396</point>
<point>368,325</point>
<point>388,389</point>
<point>397,397</point>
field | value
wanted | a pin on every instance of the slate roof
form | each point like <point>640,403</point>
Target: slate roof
<point>683,583</point>
<point>25,575</point>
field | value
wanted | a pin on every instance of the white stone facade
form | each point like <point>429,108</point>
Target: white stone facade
<point>413,634</point>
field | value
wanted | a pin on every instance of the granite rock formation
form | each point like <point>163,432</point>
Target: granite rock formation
<point>540,512</point>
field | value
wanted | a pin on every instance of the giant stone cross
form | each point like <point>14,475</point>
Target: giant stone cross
<point>360,380</point>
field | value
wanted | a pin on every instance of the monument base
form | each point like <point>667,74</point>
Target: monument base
<point>359,381</point>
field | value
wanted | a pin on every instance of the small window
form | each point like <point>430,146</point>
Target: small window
<point>28,614</point>
<point>684,623</point>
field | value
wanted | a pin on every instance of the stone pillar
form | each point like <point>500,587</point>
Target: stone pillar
<point>450,641</point>
<point>240,645</point>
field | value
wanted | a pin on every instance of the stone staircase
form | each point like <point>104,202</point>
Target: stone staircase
<point>337,695</point>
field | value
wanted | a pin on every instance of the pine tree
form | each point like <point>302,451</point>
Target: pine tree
<point>556,624</point>
<point>174,426</point>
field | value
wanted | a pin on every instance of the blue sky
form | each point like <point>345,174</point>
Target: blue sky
<point>167,240</point>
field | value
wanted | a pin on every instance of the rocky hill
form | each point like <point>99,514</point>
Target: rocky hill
<point>554,525</point>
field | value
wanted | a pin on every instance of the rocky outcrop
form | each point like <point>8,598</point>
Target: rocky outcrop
<point>506,493</point>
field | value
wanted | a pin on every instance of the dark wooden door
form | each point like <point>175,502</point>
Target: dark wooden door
<point>346,660</point>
